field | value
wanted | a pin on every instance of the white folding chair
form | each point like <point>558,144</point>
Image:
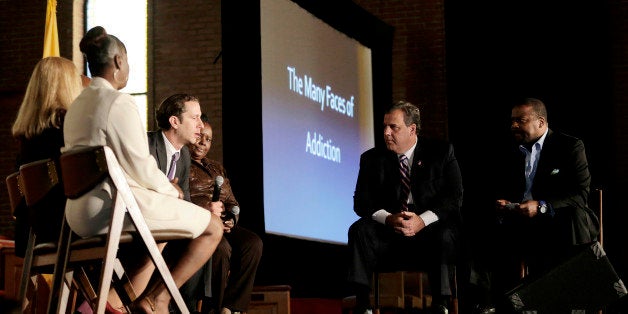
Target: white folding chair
<point>82,169</point>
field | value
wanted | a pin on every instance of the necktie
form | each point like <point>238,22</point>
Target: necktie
<point>405,181</point>
<point>173,166</point>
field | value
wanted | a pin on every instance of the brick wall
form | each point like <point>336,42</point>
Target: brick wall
<point>418,68</point>
<point>185,47</point>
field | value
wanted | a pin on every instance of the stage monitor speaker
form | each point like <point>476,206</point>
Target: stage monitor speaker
<point>585,283</point>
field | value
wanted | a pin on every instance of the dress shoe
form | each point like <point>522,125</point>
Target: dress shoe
<point>439,309</point>
<point>484,309</point>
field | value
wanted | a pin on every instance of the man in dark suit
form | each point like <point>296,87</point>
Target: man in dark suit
<point>415,227</point>
<point>179,121</point>
<point>542,191</point>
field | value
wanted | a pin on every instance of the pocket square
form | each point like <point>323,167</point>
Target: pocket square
<point>555,171</point>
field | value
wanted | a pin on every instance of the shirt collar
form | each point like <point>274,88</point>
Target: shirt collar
<point>170,150</point>
<point>410,152</point>
<point>538,144</point>
<point>542,139</point>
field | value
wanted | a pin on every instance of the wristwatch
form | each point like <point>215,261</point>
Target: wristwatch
<point>542,207</point>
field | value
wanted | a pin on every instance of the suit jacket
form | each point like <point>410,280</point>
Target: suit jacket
<point>435,183</point>
<point>157,148</point>
<point>562,179</point>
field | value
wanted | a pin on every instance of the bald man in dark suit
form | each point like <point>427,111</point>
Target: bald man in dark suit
<point>415,228</point>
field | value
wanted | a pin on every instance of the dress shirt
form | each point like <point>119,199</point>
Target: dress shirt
<point>170,150</point>
<point>531,162</point>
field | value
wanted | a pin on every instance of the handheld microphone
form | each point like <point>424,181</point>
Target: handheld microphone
<point>217,186</point>
<point>235,211</point>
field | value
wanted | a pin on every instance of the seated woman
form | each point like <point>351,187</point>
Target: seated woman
<point>102,115</point>
<point>234,263</point>
<point>38,128</point>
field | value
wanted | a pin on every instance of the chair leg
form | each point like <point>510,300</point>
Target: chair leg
<point>113,241</point>
<point>155,254</point>
<point>376,292</point>
<point>41,294</point>
<point>122,284</point>
<point>75,290</point>
<point>454,291</point>
<point>64,294</point>
<point>58,277</point>
<point>161,266</point>
<point>26,269</point>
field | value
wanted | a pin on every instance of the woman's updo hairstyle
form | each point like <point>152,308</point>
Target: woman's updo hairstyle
<point>99,48</point>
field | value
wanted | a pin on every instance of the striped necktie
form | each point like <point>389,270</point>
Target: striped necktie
<point>405,181</point>
<point>173,166</point>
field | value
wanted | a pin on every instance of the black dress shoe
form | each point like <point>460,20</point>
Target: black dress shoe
<point>439,309</point>
<point>483,309</point>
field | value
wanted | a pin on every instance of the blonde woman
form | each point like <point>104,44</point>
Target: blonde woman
<point>38,128</point>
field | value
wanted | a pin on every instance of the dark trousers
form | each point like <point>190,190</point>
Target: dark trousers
<point>373,245</point>
<point>232,270</point>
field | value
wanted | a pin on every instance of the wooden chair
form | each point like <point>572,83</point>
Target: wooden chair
<point>403,300</point>
<point>17,190</point>
<point>16,196</point>
<point>82,170</point>
<point>37,180</point>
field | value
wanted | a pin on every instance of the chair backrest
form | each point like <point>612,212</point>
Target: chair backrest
<point>15,190</point>
<point>83,169</point>
<point>38,178</point>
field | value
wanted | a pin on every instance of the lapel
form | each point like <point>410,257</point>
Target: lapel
<point>390,176</point>
<point>181,163</point>
<point>160,150</point>
<point>543,169</point>
<point>417,169</point>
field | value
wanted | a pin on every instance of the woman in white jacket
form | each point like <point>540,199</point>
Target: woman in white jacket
<point>102,115</point>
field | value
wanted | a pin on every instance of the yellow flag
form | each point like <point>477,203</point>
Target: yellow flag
<point>51,35</point>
